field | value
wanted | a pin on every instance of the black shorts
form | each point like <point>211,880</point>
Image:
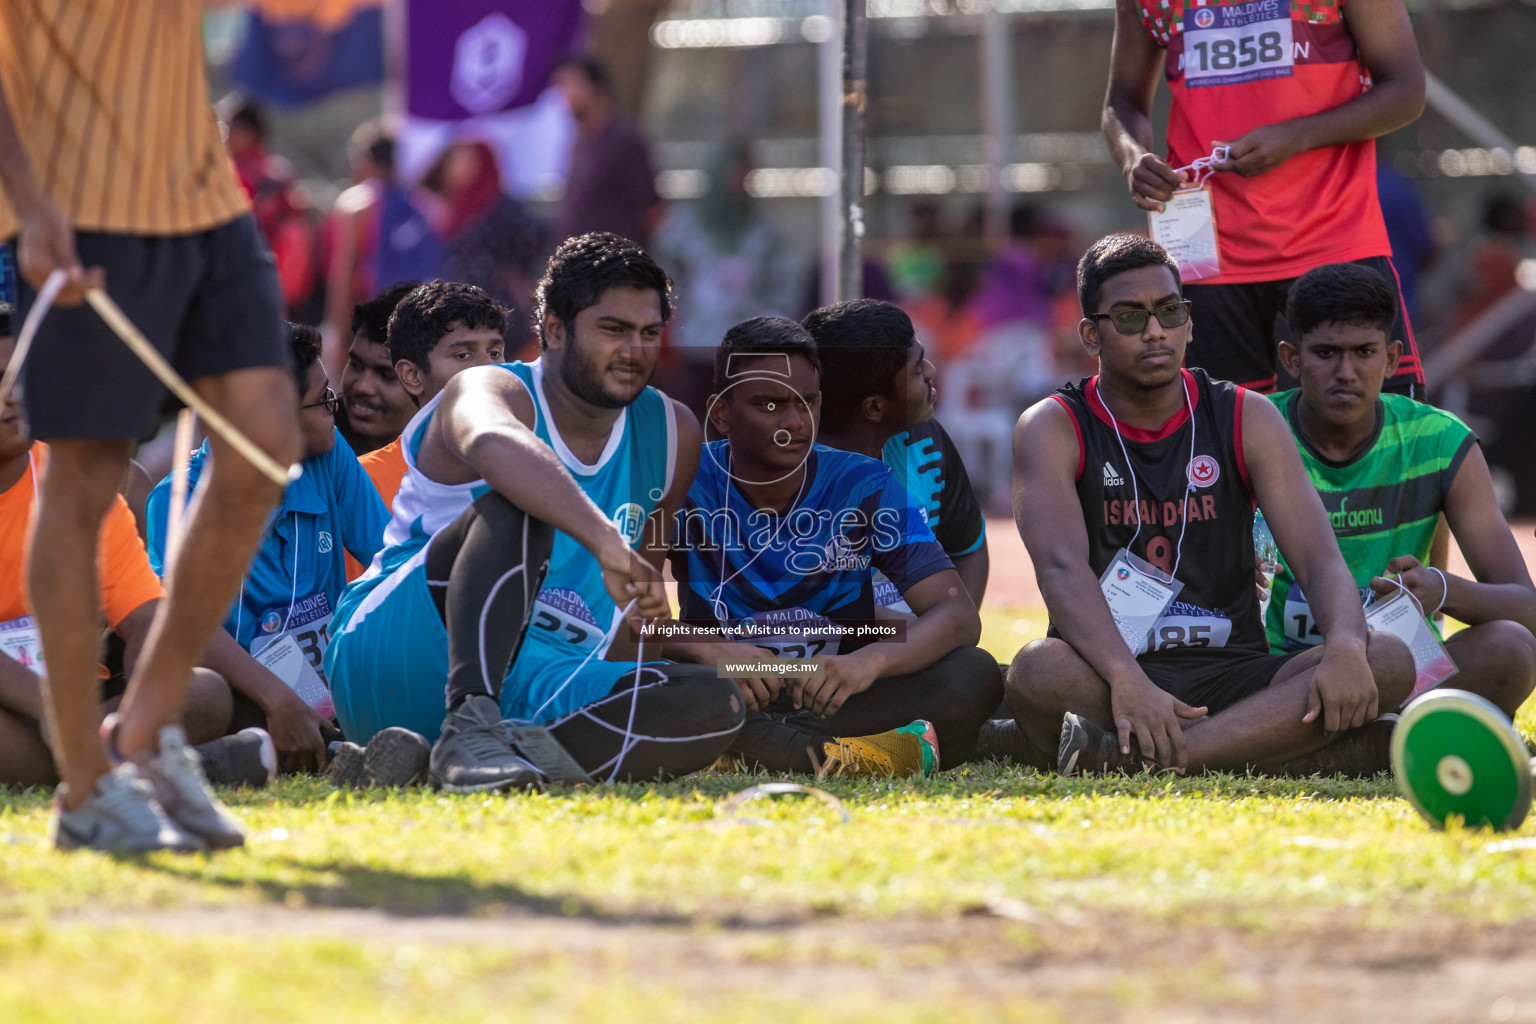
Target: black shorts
<point>1214,680</point>
<point>209,301</point>
<point>1238,328</point>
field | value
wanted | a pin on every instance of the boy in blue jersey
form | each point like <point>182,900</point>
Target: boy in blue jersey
<point>513,556</point>
<point>291,589</point>
<point>777,547</point>
<point>877,399</point>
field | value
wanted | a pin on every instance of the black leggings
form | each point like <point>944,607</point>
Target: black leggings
<point>483,571</point>
<point>678,720</point>
<point>957,694</point>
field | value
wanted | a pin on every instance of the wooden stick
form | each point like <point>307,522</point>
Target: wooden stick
<point>186,429</point>
<point>151,357</point>
<point>45,297</point>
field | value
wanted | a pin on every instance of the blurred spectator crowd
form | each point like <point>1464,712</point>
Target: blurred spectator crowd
<point>998,317</point>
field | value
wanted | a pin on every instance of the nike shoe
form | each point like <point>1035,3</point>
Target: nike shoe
<point>247,758</point>
<point>396,758</point>
<point>176,772</point>
<point>1001,739</point>
<point>120,816</point>
<point>1359,753</point>
<point>1087,749</point>
<point>901,753</point>
<point>346,768</point>
<point>473,754</point>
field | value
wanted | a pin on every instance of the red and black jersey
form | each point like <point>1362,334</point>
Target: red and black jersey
<point>1208,497</point>
<point>1233,65</point>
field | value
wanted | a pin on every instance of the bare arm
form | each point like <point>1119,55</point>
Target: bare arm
<point>946,619</point>
<point>1134,65</point>
<point>1343,690</point>
<point>974,568</point>
<point>1501,586</point>
<point>483,431</point>
<point>135,491</point>
<point>1299,523</point>
<point>659,527</point>
<point>45,240</point>
<point>1050,519</point>
<point>293,724</point>
<point>338,286</point>
<point>1384,36</point>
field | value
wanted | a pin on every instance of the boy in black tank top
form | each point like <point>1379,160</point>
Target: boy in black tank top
<point>1167,465</point>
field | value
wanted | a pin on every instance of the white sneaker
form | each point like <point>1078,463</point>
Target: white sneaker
<point>121,816</point>
<point>177,775</point>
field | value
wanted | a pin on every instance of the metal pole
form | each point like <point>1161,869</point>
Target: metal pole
<point>997,107</point>
<point>855,98</point>
<point>829,72</point>
<point>1462,114</point>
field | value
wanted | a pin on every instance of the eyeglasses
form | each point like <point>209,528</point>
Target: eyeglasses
<point>1134,321</point>
<point>331,401</point>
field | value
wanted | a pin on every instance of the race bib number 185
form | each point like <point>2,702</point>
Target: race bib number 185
<point>1234,43</point>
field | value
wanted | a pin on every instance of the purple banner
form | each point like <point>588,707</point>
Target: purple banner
<point>469,58</point>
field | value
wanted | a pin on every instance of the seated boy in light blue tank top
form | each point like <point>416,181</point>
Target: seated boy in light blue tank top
<point>513,556</point>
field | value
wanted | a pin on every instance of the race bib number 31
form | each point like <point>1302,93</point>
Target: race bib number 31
<point>1234,43</point>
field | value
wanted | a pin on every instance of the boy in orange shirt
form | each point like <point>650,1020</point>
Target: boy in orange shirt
<point>435,331</point>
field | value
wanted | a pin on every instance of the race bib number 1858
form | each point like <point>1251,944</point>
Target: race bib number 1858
<point>1232,43</point>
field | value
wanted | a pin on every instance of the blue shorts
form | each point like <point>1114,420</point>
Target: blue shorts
<point>388,665</point>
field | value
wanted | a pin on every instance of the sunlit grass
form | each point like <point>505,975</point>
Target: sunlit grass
<point>1218,851</point>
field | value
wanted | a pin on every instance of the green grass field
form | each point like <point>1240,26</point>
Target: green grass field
<point>984,894</point>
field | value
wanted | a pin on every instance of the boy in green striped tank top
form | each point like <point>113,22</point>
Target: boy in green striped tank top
<point>1386,467</point>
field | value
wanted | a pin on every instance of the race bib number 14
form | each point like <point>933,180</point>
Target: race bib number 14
<point>1234,43</point>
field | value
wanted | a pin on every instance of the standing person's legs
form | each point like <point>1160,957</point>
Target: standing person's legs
<point>1234,332</point>
<point>209,302</point>
<point>77,488</point>
<point>956,694</point>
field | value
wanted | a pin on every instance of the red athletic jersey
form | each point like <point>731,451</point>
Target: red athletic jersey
<point>1233,67</point>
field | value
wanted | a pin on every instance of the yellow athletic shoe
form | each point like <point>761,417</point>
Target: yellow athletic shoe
<point>726,762</point>
<point>911,750</point>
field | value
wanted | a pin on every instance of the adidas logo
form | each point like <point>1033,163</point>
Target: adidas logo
<point>1111,477</point>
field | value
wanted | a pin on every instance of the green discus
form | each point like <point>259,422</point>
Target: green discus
<point>1457,755</point>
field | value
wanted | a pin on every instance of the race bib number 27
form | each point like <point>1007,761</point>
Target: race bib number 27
<point>1233,43</point>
